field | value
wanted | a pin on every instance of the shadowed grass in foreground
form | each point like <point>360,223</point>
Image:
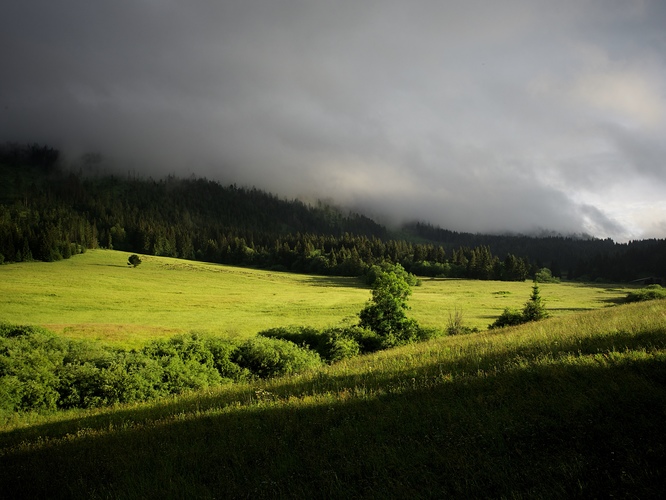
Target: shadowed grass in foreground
<point>563,408</point>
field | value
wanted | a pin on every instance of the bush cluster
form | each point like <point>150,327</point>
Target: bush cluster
<point>650,292</point>
<point>533,310</point>
<point>332,344</point>
<point>40,371</point>
<point>336,344</point>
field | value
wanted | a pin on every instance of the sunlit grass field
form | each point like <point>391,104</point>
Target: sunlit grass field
<point>97,296</point>
<point>569,407</point>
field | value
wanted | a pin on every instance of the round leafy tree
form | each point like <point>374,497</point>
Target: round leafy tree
<point>385,314</point>
<point>134,260</point>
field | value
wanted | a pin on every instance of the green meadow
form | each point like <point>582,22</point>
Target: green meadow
<point>569,407</point>
<point>97,296</point>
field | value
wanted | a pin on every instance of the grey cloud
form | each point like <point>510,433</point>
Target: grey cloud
<point>600,224</point>
<point>644,154</point>
<point>463,113</point>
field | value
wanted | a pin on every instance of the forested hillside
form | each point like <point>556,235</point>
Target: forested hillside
<point>48,213</point>
<point>579,257</point>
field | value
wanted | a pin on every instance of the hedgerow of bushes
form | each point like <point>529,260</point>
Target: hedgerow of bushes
<point>40,371</point>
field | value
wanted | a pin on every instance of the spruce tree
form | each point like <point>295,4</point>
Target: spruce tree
<point>535,309</point>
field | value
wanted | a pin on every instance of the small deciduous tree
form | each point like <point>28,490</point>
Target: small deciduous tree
<point>134,260</point>
<point>385,314</point>
<point>544,275</point>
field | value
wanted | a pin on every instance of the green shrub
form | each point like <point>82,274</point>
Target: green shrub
<point>186,361</point>
<point>367,340</point>
<point>187,347</point>
<point>29,357</point>
<point>408,333</point>
<point>113,377</point>
<point>385,313</point>
<point>430,333</point>
<point>266,357</point>
<point>182,375</point>
<point>342,347</point>
<point>332,344</point>
<point>510,317</point>
<point>544,275</point>
<point>133,376</point>
<point>650,292</point>
<point>374,272</point>
<point>222,351</point>
<point>81,386</point>
<point>10,393</point>
<point>300,335</point>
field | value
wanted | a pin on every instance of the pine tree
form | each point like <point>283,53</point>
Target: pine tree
<point>535,309</point>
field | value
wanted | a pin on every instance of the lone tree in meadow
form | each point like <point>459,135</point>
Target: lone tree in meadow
<point>534,309</point>
<point>134,260</point>
<point>385,314</point>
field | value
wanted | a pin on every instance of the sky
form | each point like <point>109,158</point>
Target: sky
<point>480,116</point>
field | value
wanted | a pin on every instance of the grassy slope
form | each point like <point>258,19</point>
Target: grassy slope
<point>571,406</point>
<point>96,295</point>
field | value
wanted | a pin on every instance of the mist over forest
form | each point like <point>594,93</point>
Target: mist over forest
<point>476,116</point>
<point>49,213</point>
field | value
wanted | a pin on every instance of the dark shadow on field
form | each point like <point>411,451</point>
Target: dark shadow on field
<point>609,287</point>
<point>577,309</point>
<point>615,301</point>
<point>335,282</point>
<point>545,430</point>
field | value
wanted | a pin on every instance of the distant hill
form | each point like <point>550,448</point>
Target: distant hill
<point>47,213</point>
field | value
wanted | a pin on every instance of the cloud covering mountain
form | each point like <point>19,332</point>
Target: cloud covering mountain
<point>478,116</point>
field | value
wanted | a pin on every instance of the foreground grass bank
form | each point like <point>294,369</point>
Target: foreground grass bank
<point>97,296</point>
<point>571,406</point>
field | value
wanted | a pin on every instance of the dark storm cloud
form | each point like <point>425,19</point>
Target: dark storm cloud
<point>480,116</point>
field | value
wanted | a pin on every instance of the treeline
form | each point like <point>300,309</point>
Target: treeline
<point>50,215</point>
<point>577,258</point>
<point>47,214</point>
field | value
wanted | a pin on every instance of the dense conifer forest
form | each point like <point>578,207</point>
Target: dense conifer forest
<point>50,213</point>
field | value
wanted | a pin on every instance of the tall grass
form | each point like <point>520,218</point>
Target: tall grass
<point>567,407</point>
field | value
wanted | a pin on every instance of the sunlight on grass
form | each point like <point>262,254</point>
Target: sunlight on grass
<point>481,302</point>
<point>96,295</point>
